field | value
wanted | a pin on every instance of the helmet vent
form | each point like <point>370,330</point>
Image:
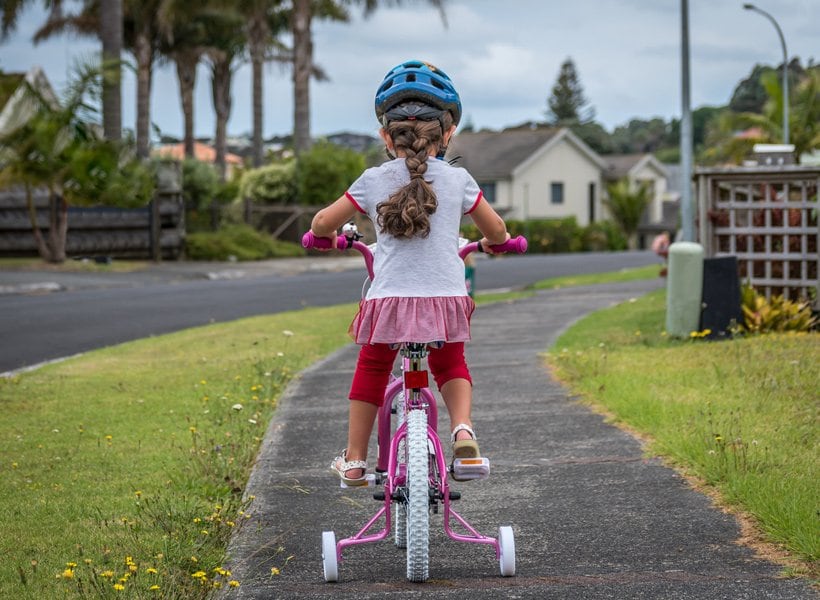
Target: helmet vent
<point>411,77</point>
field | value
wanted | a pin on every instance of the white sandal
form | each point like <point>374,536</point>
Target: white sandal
<point>464,448</point>
<point>341,465</point>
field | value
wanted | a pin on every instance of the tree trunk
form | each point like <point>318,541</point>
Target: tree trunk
<point>186,63</point>
<point>302,64</point>
<point>257,64</point>
<point>111,36</point>
<point>221,90</point>
<point>42,248</point>
<point>145,57</point>
<point>57,226</point>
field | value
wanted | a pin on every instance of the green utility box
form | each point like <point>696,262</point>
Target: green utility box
<point>684,288</point>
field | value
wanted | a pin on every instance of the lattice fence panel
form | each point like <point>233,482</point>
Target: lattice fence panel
<point>768,219</point>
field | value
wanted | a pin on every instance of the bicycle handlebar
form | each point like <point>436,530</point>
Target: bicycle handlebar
<point>516,245</point>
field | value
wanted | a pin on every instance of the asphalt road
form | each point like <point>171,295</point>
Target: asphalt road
<point>49,315</point>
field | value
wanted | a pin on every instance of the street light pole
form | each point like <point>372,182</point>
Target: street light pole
<point>686,209</point>
<point>752,7</point>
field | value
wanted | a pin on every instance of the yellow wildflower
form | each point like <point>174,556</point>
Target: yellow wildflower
<point>154,588</point>
<point>119,587</point>
<point>107,574</point>
<point>233,583</point>
<point>151,571</point>
<point>274,571</point>
<point>68,574</point>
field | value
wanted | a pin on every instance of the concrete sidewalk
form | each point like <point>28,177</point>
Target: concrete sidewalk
<point>593,517</point>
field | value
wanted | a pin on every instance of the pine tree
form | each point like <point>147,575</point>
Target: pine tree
<point>567,103</point>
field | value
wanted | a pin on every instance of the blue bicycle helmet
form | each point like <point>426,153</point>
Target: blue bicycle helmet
<point>418,81</point>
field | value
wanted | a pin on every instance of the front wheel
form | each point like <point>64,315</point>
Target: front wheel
<point>418,499</point>
<point>330,562</point>
<point>506,555</point>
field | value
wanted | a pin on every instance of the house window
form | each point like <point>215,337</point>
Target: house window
<point>557,192</point>
<point>592,202</point>
<point>488,189</point>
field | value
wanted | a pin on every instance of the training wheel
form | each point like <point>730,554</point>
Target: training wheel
<point>506,554</point>
<point>330,562</point>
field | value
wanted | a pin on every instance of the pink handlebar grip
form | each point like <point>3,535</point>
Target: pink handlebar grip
<point>311,241</point>
<point>516,245</point>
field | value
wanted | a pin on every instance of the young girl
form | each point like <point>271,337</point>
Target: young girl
<point>418,294</point>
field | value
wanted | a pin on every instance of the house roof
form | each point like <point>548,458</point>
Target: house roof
<point>202,152</point>
<point>494,155</point>
<point>621,165</point>
<point>19,102</point>
<point>491,155</point>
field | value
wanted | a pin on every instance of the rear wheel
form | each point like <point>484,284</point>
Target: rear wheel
<point>418,499</point>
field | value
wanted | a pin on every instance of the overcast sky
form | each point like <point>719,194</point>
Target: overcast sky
<point>503,55</point>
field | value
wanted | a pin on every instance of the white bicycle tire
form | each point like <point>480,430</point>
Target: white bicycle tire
<point>506,556</point>
<point>418,499</point>
<point>330,562</point>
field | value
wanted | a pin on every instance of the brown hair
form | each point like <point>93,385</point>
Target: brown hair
<point>406,213</point>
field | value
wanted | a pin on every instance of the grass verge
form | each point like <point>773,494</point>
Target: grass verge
<point>631,274</point>
<point>123,469</point>
<point>740,416</point>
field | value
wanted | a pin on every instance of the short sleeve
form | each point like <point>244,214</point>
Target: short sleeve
<point>357,193</point>
<point>472,195</point>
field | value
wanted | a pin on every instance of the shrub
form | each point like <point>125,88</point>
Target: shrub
<point>553,236</point>
<point>271,184</point>
<point>237,242</point>
<point>325,171</point>
<point>775,314</point>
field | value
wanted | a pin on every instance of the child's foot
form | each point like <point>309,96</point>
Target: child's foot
<point>464,442</point>
<point>352,472</point>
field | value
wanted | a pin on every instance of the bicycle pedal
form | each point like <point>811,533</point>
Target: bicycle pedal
<point>370,479</point>
<point>466,469</point>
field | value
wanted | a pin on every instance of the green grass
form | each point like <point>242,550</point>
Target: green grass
<point>137,450</point>
<point>623,275</point>
<point>71,265</point>
<point>742,416</point>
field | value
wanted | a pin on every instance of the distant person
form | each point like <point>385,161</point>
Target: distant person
<point>419,293</point>
<point>660,246</point>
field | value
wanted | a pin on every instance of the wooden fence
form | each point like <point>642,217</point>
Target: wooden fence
<point>155,231</point>
<point>767,218</point>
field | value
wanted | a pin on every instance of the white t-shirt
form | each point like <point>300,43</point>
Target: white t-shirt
<point>418,267</point>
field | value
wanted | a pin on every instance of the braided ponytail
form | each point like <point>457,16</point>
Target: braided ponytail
<point>406,214</point>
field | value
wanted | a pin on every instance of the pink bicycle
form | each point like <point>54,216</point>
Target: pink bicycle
<point>411,464</point>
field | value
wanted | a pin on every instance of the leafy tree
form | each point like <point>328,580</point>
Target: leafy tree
<point>567,104</point>
<point>627,205</point>
<point>59,149</point>
<point>750,96</point>
<point>325,171</point>
<point>723,144</point>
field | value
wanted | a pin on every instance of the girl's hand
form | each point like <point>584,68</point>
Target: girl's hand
<point>485,244</point>
<point>332,237</point>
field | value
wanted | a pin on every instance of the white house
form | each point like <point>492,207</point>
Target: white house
<point>641,169</point>
<point>534,173</point>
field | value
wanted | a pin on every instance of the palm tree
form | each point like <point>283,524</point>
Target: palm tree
<point>185,38</point>
<point>110,33</point>
<point>142,37</point>
<point>301,18</point>
<point>111,37</point>
<point>226,46</point>
<point>626,205</point>
<point>767,127</point>
<point>265,20</point>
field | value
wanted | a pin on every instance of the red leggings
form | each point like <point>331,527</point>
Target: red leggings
<point>376,363</point>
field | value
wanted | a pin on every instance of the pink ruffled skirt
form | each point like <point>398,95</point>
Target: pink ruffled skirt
<point>395,320</point>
